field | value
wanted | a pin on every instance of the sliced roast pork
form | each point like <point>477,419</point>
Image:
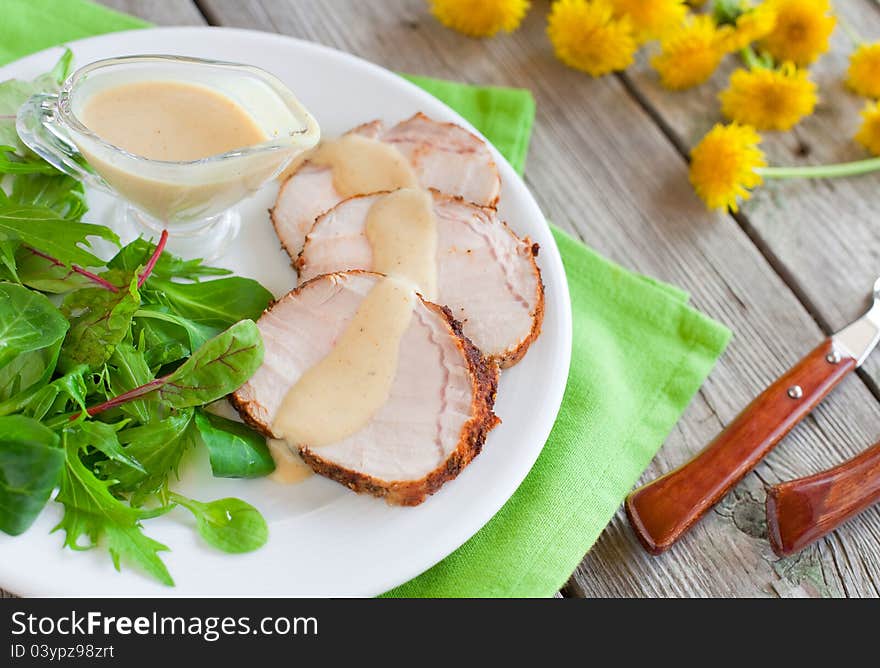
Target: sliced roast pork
<point>444,156</point>
<point>486,275</point>
<point>437,412</point>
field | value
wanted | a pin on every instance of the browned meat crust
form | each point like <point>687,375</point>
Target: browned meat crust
<point>484,383</point>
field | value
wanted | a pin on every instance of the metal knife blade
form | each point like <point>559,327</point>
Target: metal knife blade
<point>860,337</point>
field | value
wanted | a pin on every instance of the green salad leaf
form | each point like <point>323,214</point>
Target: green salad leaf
<point>158,446</point>
<point>99,321</point>
<point>126,370</point>
<point>219,367</point>
<point>236,450</point>
<point>230,525</point>
<point>14,93</point>
<point>218,303</point>
<point>64,239</point>
<point>195,334</point>
<point>104,438</point>
<point>46,275</point>
<point>61,193</point>
<point>92,514</point>
<point>164,342</point>
<point>28,321</point>
<point>106,364</point>
<point>135,254</point>
<point>30,467</point>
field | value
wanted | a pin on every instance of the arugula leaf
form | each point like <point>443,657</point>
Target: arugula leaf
<point>102,437</point>
<point>43,229</point>
<point>134,254</point>
<point>236,450</point>
<point>218,303</point>
<point>30,467</point>
<point>219,367</point>
<point>99,321</point>
<point>228,524</point>
<point>93,513</point>
<point>158,446</point>
<point>28,321</point>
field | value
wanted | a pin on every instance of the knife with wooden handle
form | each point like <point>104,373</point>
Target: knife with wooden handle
<point>800,512</point>
<point>663,510</point>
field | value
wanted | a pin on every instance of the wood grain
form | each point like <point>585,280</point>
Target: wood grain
<point>664,509</point>
<point>802,511</point>
<point>602,168</point>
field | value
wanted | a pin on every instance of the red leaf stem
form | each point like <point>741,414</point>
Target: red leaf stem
<point>154,258</point>
<point>107,285</point>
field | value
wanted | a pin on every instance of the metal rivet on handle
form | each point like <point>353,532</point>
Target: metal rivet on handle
<point>795,392</point>
<point>833,357</point>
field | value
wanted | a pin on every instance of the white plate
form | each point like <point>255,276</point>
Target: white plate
<point>325,540</point>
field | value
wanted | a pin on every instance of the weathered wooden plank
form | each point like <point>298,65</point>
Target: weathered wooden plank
<point>601,168</point>
<point>160,12</point>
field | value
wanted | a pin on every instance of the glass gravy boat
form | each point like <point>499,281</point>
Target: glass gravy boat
<point>192,199</point>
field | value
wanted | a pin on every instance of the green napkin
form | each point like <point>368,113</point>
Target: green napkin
<point>640,353</point>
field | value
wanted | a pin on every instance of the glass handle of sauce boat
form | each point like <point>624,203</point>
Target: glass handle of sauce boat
<point>39,128</point>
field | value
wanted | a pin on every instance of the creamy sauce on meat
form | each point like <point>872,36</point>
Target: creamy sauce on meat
<point>402,231</point>
<point>289,466</point>
<point>339,395</point>
<point>336,397</point>
<point>360,165</point>
<point>170,120</point>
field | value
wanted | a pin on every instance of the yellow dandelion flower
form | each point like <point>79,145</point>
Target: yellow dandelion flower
<point>480,18</point>
<point>723,165</point>
<point>651,19</point>
<point>769,99</point>
<point>801,32</point>
<point>750,26</point>
<point>863,75</point>
<point>689,55</point>
<point>586,36</point>
<point>869,134</point>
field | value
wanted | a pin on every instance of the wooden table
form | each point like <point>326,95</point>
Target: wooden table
<point>607,163</point>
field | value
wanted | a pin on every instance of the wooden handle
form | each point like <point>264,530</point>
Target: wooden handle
<point>663,510</point>
<point>801,511</point>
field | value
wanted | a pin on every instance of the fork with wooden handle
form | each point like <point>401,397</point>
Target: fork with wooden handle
<point>801,511</point>
<point>663,510</point>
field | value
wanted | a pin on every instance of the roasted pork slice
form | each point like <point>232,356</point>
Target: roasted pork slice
<point>486,275</point>
<point>444,156</point>
<point>436,414</point>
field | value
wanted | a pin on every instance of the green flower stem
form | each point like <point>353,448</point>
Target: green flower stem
<point>821,171</point>
<point>753,61</point>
